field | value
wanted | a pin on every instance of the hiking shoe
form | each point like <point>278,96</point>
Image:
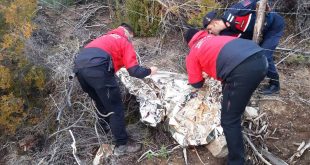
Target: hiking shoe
<point>271,90</point>
<point>127,149</point>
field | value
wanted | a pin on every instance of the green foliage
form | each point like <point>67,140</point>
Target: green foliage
<point>299,59</point>
<point>11,112</point>
<point>2,25</point>
<point>203,7</point>
<point>149,155</point>
<point>35,78</point>
<point>5,78</point>
<point>17,18</point>
<point>142,15</point>
<point>163,152</point>
<point>21,82</point>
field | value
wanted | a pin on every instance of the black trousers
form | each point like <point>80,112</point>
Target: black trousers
<point>102,87</point>
<point>238,88</point>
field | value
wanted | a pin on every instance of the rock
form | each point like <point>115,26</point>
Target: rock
<point>251,112</point>
<point>218,147</point>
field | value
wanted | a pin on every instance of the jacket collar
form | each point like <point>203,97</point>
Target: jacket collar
<point>121,31</point>
<point>199,35</point>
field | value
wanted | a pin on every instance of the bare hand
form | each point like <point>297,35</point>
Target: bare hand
<point>205,75</point>
<point>153,70</point>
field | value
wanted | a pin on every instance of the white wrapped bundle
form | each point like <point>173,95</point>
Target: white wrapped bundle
<point>194,117</point>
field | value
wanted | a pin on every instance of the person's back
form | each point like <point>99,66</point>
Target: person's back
<point>118,46</point>
<point>240,69</point>
<point>217,55</point>
<point>95,68</point>
<point>239,20</point>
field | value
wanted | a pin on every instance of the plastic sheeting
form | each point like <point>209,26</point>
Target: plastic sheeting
<point>193,115</point>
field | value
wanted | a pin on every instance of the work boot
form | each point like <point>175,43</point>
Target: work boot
<point>127,149</point>
<point>273,87</point>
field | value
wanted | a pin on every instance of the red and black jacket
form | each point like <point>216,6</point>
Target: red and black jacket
<point>216,55</point>
<point>241,17</point>
<point>115,45</point>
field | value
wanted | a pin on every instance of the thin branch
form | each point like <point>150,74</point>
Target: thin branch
<point>199,156</point>
<point>255,150</point>
<point>74,150</point>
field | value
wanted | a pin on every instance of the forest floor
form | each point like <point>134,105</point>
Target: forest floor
<point>288,112</point>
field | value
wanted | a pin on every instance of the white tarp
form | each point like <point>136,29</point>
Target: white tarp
<point>194,117</point>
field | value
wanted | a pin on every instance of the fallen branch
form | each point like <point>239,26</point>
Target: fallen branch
<point>275,160</point>
<point>98,112</point>
<point>162,3</point>
<point>156,153</point>
<point>291,53</point>
<point>185,156</point>
<point>300,151</point>
<point>255,150</point>
<point>199,157</point>
<point>78,161</point>
<point>260,116</point>
<point>292,50</point>
<point>67,127</point>
<point>87,16</point>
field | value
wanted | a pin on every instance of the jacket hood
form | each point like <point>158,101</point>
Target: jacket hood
<point>119,31</point>
<point>197,37</point>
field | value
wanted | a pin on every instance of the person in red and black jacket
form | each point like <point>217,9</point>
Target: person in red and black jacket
<point>240,65</point>
<point>239,20</point>
<point>95,68</point>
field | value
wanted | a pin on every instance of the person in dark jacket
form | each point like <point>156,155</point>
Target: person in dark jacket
<point>240,65</point>
<point>95,68</point>
<point>239,20</point>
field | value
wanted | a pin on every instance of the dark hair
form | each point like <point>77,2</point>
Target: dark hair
<point>189,34</point>
<point>127,26</point>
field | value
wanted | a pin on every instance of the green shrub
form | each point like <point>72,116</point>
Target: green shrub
<point>201,9</point>
<point>142,15</point>
<point>21,82</point>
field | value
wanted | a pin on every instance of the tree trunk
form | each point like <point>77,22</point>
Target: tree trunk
<point>259,22</point>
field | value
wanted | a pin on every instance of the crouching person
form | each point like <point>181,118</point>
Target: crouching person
<point>240,65</point>
<point>95,67</point>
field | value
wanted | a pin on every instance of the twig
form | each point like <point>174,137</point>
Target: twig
<point>159,1</point>
<point>97,25</point>
<point>274,138</point>
<point>41,161</point>
<point>199,156</point>
<point>88,14</point>
<point>292,50</point>
<point>260,116</point>
<point>66,128</point>
<point>300,152</point>
<point>156,152</point>
<point>74,149</point>
<point>275,160</point>
<point>255,150</point>
<point>144,154</point>
<point>301,146</point>
<point>98,112</point>
<point>185,156</point>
